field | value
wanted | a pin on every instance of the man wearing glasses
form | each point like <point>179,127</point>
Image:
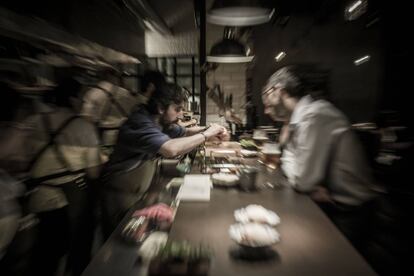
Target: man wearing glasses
<point>321,155</point>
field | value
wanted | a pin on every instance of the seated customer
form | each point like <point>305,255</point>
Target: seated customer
<point>321,155</point>
<point>149,133</point>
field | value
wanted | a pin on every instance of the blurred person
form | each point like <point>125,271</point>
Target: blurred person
<point>10,211</point>
<point>149,133</point>
<point>108,105</point>
<point>66,157</point>
<point>14,157</point>
<point>16,242</point>
<point>321,155</point>
<point>149,82</point>
<point>15,249</point>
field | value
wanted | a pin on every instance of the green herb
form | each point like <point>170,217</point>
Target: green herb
<point>184,251</point>
<point>248,144</point>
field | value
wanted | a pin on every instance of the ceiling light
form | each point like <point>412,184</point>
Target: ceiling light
<point>362,60</point>
<point>354,6</point>
<point>240,12</point>
<point>229,49</point>
<point>355,9</point>
<point>280,56</point>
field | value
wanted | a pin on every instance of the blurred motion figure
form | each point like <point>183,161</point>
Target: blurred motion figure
<point>66,156</point>
<point>108,105</point>
<point>321,155</point>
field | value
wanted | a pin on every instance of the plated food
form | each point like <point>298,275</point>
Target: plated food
<point>181,258</point>
<point>256,213</point>
<point>254,235</point>
<point>137,230</point>
<point>248,153</point>
<point>158,212</point>
<point>248,144</point>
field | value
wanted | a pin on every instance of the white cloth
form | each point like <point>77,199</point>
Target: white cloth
<point>323,151</point>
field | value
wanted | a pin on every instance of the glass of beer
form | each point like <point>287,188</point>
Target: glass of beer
<point>271,154</point>
<point>260,136</point>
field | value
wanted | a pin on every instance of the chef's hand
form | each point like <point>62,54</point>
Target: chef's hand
<point>322,195</point>
<point>214,131</point>
<point>224,136</point>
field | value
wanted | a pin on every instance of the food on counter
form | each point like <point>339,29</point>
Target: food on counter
<point>261,138</point>
<point>183,250</point>
<point>136,230</point>
<point>248,153</point>
<point>158,212</point>
<point>152,245</point>
<point>222,153</point>
<point>224,179</point>
<point>231,145</point>
<point>181,258</point>
<point>248,144</point>
<point>256,213</point>
<point>254,234</point>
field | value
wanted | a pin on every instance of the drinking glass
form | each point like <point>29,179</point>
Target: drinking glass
<point>271,154</point>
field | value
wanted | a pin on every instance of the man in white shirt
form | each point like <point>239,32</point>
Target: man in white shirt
<point>321,155</point>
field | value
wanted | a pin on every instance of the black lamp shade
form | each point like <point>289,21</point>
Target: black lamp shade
<point>229,51</point>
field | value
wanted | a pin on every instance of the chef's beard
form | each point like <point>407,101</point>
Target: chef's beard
<point>165,122</point>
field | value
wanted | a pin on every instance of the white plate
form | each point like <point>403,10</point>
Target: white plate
<point>248,153</point>
<point>254,234</point>
<point>260,138</point>
<point>256,213</point>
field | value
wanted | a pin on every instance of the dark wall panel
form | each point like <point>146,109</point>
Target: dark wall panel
<point>335,44</point>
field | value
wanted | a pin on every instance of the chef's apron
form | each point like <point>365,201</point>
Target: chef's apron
<point>124,189</point>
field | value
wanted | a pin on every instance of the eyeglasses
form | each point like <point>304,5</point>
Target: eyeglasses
<point>271,90</point>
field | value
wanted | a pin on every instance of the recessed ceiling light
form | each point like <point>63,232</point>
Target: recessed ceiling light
<point>280,56</point>
<point>362,60</point>
<point>356,9</point>
<point>354,6</point>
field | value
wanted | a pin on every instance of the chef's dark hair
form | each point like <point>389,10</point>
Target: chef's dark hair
<point>154,77</point>
<point>165,95</point>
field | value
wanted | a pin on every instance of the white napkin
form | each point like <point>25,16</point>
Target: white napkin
<point>196,187</point>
